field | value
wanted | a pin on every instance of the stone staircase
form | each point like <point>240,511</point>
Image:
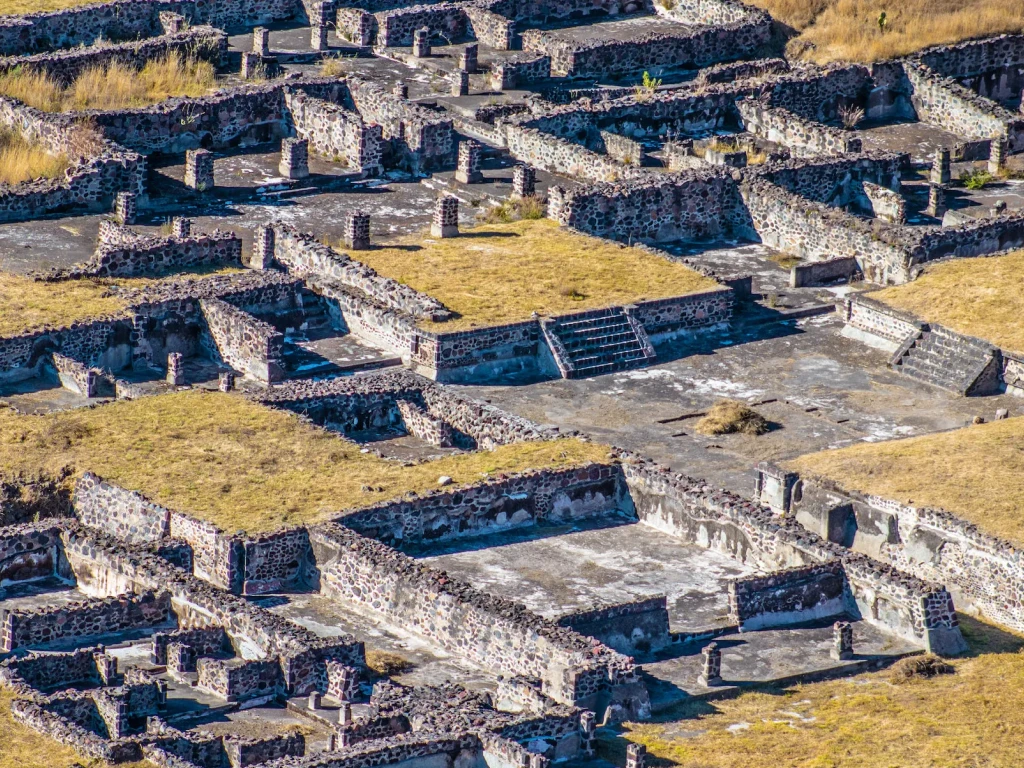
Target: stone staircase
<point>597,342</point>
<point>955,363</point>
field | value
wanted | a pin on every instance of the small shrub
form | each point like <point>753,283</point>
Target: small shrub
<point>572,292</point>
<point>648,87</point>
<point>332,67</point>
<point>514,210</point>
<point>387,663</point>
<point>920,667</point>
<point>729,416</point>
<point>976,178</point>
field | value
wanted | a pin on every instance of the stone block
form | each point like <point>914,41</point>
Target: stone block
<point>711,665</point>
<point>446,217</point>
<point>261,41</point>
<point>175,369</point>
<point>294,162</point>
<point>460,83</point>
<point>357,231</point>
<point>181,227</point>
<point>262,247</point>
<point>421,43</point>
<point>125,207</point>
<point>318,37</point>
<point>469,58</point>
<point>468,169</point>
<point>524,181</point>
<point>940,173</point>
<point>199,170</point>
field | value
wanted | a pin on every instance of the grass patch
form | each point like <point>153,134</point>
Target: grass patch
<point>240,465</point>
<point>849,30</point>
<point>976,473</point>
<point>502,273</point>
<point>972,718</point>
<point>730,416</point>
<point>22,160</point>
<point>21,7</point>
<point>976,178</point>
<point>30,305</point>
<point>920,667</point>
<point>115,86</point>
<point>982,297</point>
<point>387,663</point>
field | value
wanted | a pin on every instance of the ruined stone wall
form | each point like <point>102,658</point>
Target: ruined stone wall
<point>975,238</point>
<point>201,42</point>
<point>446,22</point>
<point>556,155</point>
<point>424,426</point>
<point>276,562</point>
<point>92,617</point>
<point>477,355</point>
<point>640,626</point>
<point>489,631</point>
<point>804,138</point>
<point>813,231</point>
<point>705,309</point>
<point>243,751</point>
<point>835,180</point>
<point>238,680</point>
<point>520,501</point>
<point>490,29</point>
<point>696,204</point>
<point>301,254</point>
<point>29,551</point>
<point>691,47</point>
<point>337,133</point>
<point>47,671</point>
<point>993,68</point>
<point>126,514</point>
<point>205,642</point>
<point>944,102</point>
<point>921,612</point>
<point>124,253</point>
<point>419,138</point>
<point>817,94</point>
<point>519,70</point>
<point>21,356</point>
<point>366,318</point>
<point>242,341</point>
<point>790,596</point>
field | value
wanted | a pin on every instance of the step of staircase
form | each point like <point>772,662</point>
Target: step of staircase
<point>598,342</point>
<point>948,360</point>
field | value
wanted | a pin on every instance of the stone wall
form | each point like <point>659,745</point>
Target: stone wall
<point>241,751</point>
<point>791,596</point>
<point>337,133</point>
<point>119,512</point>
<point>36,672</point>
<point>478,355</point>
<point>640,626</point>
<point>488,631</point>
<point>446,21</point>
<point>200,42</point>
<point>557,155</point>
<point>85,618</point>
<point>804,138</point>
<point>276,562</point>
<point>242,341</point>
<point>29,551</point>
<point>520,501</point>
<point>240,680</point>
<point>985,572</point>
<point>122,252</point>
<point>919,611</point>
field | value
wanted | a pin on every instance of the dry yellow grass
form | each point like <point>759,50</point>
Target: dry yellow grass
<point>848,30</point>
<point>112,87</point>
<point>21,160</point>
<point>21,7</point>
<point>240,465</point>
<point>981,297</point>
<point>500,273</point>
<point>971,718</point>
<point>728,416</point>
<point>976,472</point>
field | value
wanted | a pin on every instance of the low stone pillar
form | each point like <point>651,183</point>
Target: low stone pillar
<point>357,231</point>
<point>173,23</point>
<point>125,207</point>
<point>421,43</point>
<point>345,714</point>
<point>175,369</point>
<point>294,162</point>
<point>262,247</point>
<point>524,181</point>
<point>261,41</point>
<point>460,83</point>
<point>446,217</point>
<point>588,724</point>
<point>538,761</point>
<point>636,756</point>
<point>468,169</point>
<point>199,170</point>
<point>936,201</point>
<point>999,209</point>
<point>161,693</point>
<point>711,665</point>
<point>181,658</point>
<point>106,667</point>
<point>226,382</point>
<point>181,227</point>
<point>940,173</point>
<point>332,745</point>
<point>997,155</point>
<point>315,701</point>
<point>318,37</point>
<point>469,58</point>
<point>842,641</point>
<point>255,66</point>
<point>401,90</point>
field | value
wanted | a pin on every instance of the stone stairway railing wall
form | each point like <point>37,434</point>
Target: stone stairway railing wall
<point>598,341</point>
<point>337,133</point>
<point>242,341</point>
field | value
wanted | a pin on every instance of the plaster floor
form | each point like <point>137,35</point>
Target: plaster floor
<point>825,390</point>
<point>558,570</point>
<point>921,140</point>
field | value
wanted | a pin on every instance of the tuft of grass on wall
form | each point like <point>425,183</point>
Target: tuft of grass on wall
<point>855,30</point>
<point>241,465</point>
<point>114,86</point>
<point>22,160</point>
